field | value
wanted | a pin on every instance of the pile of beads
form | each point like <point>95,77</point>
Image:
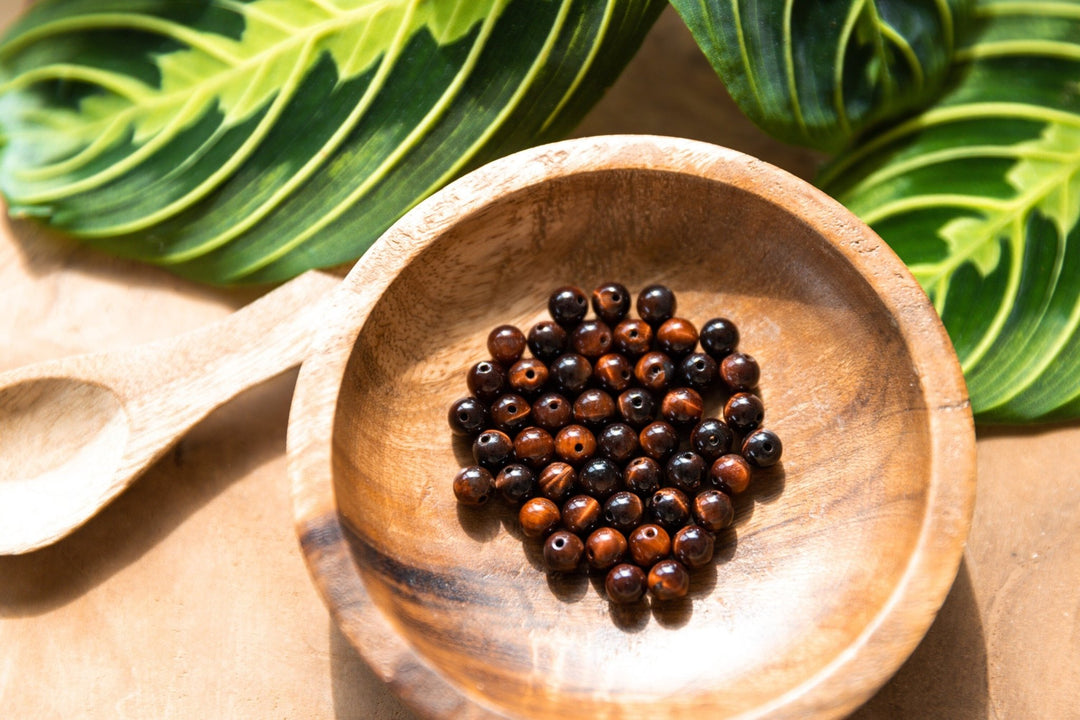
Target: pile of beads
<point>598,436</point>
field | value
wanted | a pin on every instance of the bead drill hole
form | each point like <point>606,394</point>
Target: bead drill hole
<point>650,532</point>
<point>463,416</point>
<point>767,447</point>
<point>483,367</point>
<point>636,402</point>
<point>633,334</point>
<point>511,408</point>
<point>625,374</point>
<point>553,405</point>
<point>700,364</point>
<point>530,374</point>
<point>578,447</point>
<point>604,338</point>
<point>615,297</point>
<point>559,542</point>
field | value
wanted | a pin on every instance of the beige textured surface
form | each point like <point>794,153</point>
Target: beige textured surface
<point>188,596</point>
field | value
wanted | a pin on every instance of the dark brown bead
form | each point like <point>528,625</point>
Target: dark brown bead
<point>605,547</point>
<point>591,338</point>
<point>535,447</point>
<point>527,376</point>
<point>511,413</point>
<point>699,371</point>
<point>618,442</point>
<point>744,412</point>
<point>649,544</point>
<point>562,551</point>
<point>570,373</point>
<point>686,471</point>
<point>637,407</point>
<point>659,440</point>
<point>642,476</point>
<point>556,480</point>
<point>613,372</point>
<point>506,343</point>
<point>739,372</point>
<point>516,483</point>
<point>552,411</point>
<point>713,510</point>
<point>611,302</point>
<point>467,417</point>
<point>568,306</point>
<point>575,444</point>
<point>719,338</point>
<point>762,448</point>
<point>492,449</point>
<point>682,406</point>
<point>538,517</point>
<point>625,584</point>
<point>547,340</point>
<point>473,485</point>
<point>655,304</point>
<point>710,438</point>
<point>486,380</point>
<point>581,514</point>
<point>593,408</point>
<point>623,511</point>
<point>676,337</point>
<point>693,546</point>
<point>668,580</point>
<point>669,507</point>
<point>730,473</point>
<point>599,477</point>
<point>632,337</point>
<point>654,371</point>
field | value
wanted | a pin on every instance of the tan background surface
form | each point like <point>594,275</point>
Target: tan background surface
<point>188,597</point>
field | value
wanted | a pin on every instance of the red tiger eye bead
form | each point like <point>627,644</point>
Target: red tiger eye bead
<point>492,449</point>
<point>516,483</point>
<point>552,411</point>
<point>605,547</point>
<point>556,480</point>
<point>618,442</point>
<point>668,580</point>
<point>613,372</point>
<point>698,371</point>
<point>632,337</point>
<point>580,514</point>
<point>713,510</point>
<point>538,517</point>
<point>762,448</point>
<point>511,413</point>
<point>506,343</point>
<point>744,412</point>
<point>568,305</point>
<point>534,446</point>
<point>611,302</point>
<point>575,444</point>
<point>546,340</point>
<point>719,337</point>
<point>562,551</point>
<point>730,473</point>
<point>637,407</point>
<point>623,511</point>
<point>570,373</point>
<point>655,304</point>
<point>649,544</point>
<point>710,438</point>
<point>486,380</point>
<point>669,507</point>
<point>677,337</point>
<point>654,371</point>
<point>686,471</point>
<point>642,476</point>
<point>467,416</point>
<point>593,408</point>
<point>682,406</point>
<point>739,372</point>
<point>599,477</point>
<point>591,338</point>
<point>693,546</point>
<point>659,440</point>
<point>527,376</point>
<point>625,584</point>
<point>473,485</point>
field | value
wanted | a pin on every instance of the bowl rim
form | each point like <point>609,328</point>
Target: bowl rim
<point>886,641</point>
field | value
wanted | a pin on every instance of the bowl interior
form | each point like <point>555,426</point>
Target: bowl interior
<point>820,544</point>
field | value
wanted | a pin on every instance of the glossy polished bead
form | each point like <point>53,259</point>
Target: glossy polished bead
<point>632,337</point>
<point>655,304</point>
<point>568,305</point>
<point>593,409</point>
<point>618,442</point>
<point>676,337</point>
<point>516,483</point>
<point>730,473</point>
<point>538,516</point>
<point>668,580</point>
<point>580,514</point>
<point>575,444</point>
<point>625,584</point>
<point>642,475</point>
<point>535,447</point>
<point>552,411</point>
<point>623,511</point>
<point>693,546</point>
<point>743,412</point>
<point>611,302</point>
<point>473,485</point>
<point>570,373</point>
<point>486,380</point>
<point>699,371</point>
<point>637,407</point>
<point>762,448</point>
<point>599,477</point>
<point>510,413</point>
<point>556,480</point>
<point>527,376</point>
<point>719,337</point>
<point>613,372</point>
<point>605,547</point>
<point>648,544</point>
<point>686,471</point>
<point>654,371</point>
<point>659,440</point>
<point>713,510</point>
<point>592,338</point>
<point>547,340</point>
<point>711,438</point>
<point>506,343</point>
<point>562,551</point>
<point>669,507</point>
<point>492,449</point>
<point>467,417</point>
<point>739,372</point>
<point>682,406</point>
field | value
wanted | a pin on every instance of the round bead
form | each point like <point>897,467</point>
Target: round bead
<point>744,412</point>
<point>492,449</point>
<point>686,471</point>
<point>593,408</point>
<point>637,407</point>
<point>642,475</point>
<point>613,372</point>
<point>574,444</point>
<point>527,376</point>
<point>486,380</point>
<point>556,480</point>
<point>562,551</point>
<point>762,448</point>
<point>605,547</point>
<point>693,546</point>
<point>515,483</point>
<point>649,544</point>
<point>659,440</point>
<point>547,340</point>
<point>568,305</point>
<point>506,343</point>
<point>676,337</point>
<point>473,485</point>
<point>618,442</point>
<point>538,517</point>
<point>591,338</point>
<point>669,507</point>
<point>599,477</point>
<point>623,511</point>
<point>719,337</point>
<point>668,580</point>
<point>682,406</point>
<point>739,372</point>
<point>581,514</point>
<point>713,510</point>
<point>730,473</point>
<point>551,411</point>
<point>632,337</point>
<point>535,447</point>
<point>710,438</point>
<point>655,304</point>
<point>511,413</point>
<point>570,373</point>
<point>654,371</point>
<point>611,302</point>
<point>699,371</point>
<point>467,417</point>
<point>625,584</point>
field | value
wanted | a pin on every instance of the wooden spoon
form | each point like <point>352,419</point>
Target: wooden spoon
<point>76,431</point>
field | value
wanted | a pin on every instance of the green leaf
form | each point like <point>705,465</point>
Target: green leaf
<point>238,140</point>
<point>980,195</point>
<point>819,73</point>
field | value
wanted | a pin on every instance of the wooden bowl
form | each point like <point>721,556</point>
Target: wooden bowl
<point>839,557</point>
